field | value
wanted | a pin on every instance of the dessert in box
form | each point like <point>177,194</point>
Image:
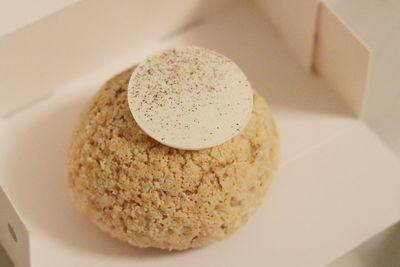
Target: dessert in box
<point>326,198</point>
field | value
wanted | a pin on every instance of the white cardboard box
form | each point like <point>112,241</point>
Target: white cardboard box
<point>338,182</point>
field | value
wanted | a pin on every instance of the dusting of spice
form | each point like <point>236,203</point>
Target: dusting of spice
<point>190,98</point>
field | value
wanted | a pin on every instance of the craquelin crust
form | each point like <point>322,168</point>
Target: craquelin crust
<point>151,195</point>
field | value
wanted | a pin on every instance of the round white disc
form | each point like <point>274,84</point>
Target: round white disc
<point>190,98</point>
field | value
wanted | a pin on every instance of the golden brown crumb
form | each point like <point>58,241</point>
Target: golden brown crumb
<point>151,195</point>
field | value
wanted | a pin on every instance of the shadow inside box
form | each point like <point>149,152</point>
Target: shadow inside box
<point>39,184</point>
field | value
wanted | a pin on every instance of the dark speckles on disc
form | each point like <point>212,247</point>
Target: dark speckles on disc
<point>190,98</point>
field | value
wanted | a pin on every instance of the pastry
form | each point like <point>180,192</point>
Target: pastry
<point>152,195</point>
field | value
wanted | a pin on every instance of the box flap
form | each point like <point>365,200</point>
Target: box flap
<point>14,236</point>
